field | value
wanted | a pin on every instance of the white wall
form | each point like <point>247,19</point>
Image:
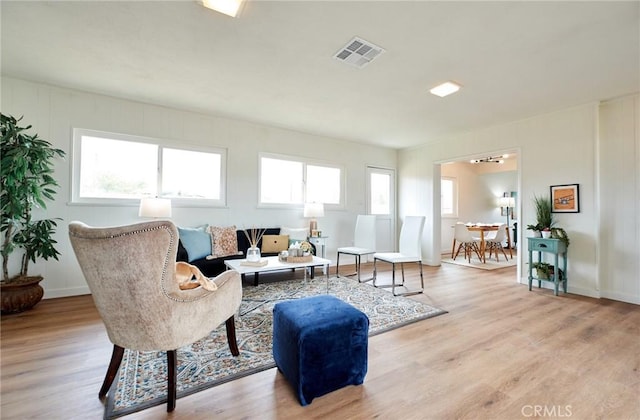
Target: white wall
<point>619,199</point>
<point>557,148</point>
<point>54,111</point>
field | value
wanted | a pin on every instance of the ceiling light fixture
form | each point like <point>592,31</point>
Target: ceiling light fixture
<point>227,7</point>
<point>490,159</point>
<point>446,88</point>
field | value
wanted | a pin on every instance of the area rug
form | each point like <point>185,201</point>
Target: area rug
<point>142,383</point>
<point>491,264</point>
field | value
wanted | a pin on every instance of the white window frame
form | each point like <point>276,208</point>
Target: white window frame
<point>76,154</point>
<point>454,198</point>
<point>305,162</point>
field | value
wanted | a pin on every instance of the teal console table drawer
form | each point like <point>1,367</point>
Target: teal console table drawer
<point>551,246</point>
<point>547,245</point>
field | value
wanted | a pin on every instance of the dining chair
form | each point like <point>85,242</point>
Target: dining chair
<point>466,241</point>
<point>364,243</point>
<point>494,242</point>
<point>409,250</point>
<point>130,272</point>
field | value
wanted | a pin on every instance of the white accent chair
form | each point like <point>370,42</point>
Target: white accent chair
<point>364,243</point>
<point>130,271</point>
<point>465,240</point>
<point>410,250</point>
<point>494,243</point>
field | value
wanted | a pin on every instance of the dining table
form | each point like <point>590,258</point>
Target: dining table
<point>487,227</point>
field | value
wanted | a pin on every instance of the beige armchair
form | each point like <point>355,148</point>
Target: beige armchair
<point>130,272</point>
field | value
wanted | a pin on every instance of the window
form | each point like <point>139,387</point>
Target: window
<point>117,168</point>
<point>380,185</point>
<point>449,197</point>
<point>291,181</point>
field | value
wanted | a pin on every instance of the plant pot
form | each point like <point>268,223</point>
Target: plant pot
<point>21,294</point>
<point>542,274</point>
<point>536,234</point>
<point>546,234</point>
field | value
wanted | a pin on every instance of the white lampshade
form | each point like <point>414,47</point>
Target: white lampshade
<point>314,210</point>
<point>155,207</point>
<point>506,202</point>
<point>227,7</point>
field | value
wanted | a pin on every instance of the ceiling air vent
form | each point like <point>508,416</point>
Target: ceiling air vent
<point>358,52</point>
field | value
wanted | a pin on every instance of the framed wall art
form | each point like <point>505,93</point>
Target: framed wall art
<point>565,198</point>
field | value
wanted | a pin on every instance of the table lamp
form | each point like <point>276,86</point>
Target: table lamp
<point>313,210</point>
<point>155,207</point>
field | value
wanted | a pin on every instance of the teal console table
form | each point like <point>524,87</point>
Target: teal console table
<point>551,246</point>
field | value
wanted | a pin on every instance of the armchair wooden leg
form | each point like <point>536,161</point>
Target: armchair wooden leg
<point>112,370</point>
<point>172,373</point>
<point>231,336</point>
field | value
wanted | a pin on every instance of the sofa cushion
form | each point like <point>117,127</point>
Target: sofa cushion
<point>224,241</point>
<point>196,241</point>
<point>274,243</point>
<point>295,234</point>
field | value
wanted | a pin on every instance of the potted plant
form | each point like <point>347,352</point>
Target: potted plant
<point>544,214</point>
<point>545,271</point>
<point>559,233</point>
<point>536,230</point>
<point>27,183</point>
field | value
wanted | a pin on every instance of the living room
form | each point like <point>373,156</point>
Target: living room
<point>593,143</point>
<point>585,143</point>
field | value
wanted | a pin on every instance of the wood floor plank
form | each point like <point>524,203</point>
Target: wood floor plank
<point>500,352</point>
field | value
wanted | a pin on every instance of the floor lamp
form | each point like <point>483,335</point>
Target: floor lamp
<point>508,203</point>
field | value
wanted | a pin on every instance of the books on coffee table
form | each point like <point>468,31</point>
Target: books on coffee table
<point>260,263</point>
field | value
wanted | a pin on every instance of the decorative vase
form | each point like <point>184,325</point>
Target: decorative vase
<point>21,294</point>
<point>253,254</point>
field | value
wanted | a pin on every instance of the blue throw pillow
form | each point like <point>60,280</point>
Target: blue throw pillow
<point>196,241</point>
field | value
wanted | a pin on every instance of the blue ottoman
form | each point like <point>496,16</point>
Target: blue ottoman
<point>320,345</point>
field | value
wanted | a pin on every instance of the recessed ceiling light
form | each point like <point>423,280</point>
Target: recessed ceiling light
<point>227,7</point>
<point>444,89</point>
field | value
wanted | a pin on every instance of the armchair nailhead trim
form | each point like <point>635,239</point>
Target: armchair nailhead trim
<point>167,259</point>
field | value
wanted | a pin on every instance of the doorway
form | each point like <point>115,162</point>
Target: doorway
<point>478,182</point>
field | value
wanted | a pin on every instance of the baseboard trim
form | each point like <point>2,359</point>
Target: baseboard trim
<point>73,291</point>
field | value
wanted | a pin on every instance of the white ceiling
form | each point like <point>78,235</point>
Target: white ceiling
<point>274,63</point>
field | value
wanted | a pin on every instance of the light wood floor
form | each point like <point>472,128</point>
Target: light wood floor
<point>501,352</point>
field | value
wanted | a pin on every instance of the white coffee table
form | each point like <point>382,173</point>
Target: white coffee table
<point>274,264</point>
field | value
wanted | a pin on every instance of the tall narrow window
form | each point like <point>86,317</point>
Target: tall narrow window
<point>380,189</point>
<point>449,197</point>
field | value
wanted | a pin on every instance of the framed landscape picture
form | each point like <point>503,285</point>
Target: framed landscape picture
<point>565,198</point>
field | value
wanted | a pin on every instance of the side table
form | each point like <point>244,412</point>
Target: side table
<point>319,241</point>
<point>551,246</point>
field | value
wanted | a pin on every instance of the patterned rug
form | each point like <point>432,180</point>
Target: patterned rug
<point>142,383</point>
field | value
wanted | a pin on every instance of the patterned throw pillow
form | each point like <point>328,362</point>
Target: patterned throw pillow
<point>224,241</point>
